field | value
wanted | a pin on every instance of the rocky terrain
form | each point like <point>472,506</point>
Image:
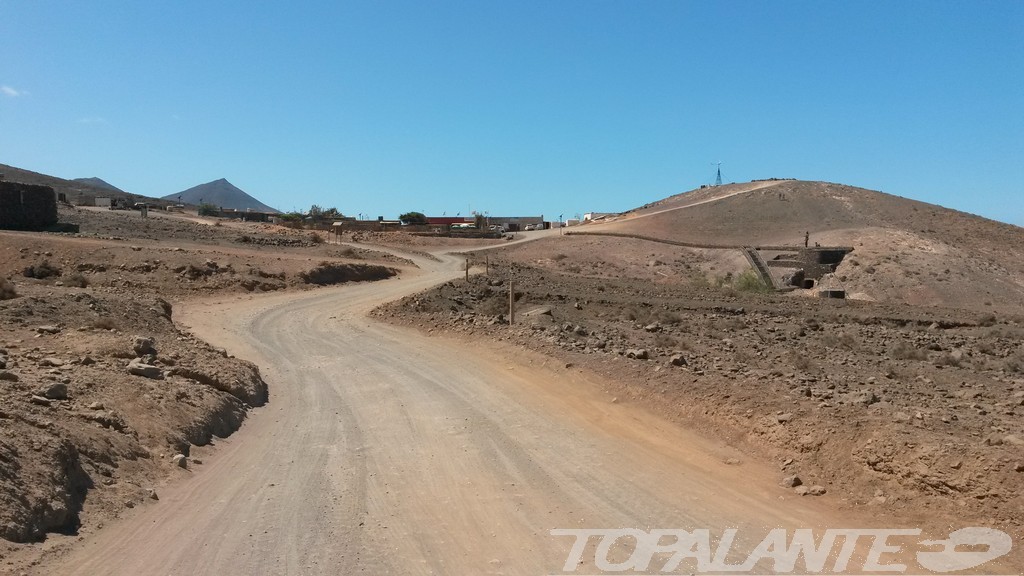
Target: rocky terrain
<point>102,396</point>
<point>915,411</point>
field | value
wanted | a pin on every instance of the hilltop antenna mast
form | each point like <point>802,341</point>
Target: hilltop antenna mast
<point>718,176</point>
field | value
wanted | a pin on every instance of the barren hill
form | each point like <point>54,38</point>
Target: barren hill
<point>220,193</point>
<point>99,183</point>
<point>905,250</point>
<point>78,191</point>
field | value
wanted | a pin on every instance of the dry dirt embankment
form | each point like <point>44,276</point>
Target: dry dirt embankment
<point>99,392</point>
<point>907,411</point>
<point>99,389</point>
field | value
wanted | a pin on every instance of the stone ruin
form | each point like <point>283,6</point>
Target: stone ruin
<point>809,265</point>
<point>27,206</point>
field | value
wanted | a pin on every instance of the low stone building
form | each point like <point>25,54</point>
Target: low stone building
<point>27,206</point>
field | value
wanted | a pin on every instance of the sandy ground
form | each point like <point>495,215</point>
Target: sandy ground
<point>383,451</point>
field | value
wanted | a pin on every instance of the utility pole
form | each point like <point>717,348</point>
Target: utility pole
<point>511,303</point>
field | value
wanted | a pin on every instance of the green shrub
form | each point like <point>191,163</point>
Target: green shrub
<point>750,281</point>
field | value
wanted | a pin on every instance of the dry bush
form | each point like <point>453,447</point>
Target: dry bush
<point>41,270</point>
<point>665,341</point>
<point>801,362</point>
<point>316,238</point>
<point>559,257</point>
<point>347,252</point>
<point>1015,363</point>
<point>987,320</point>
<point>104,323</point>
<point>76,280</point>
<point>904,351</point>
<point>7,291</point>
<point>842,340</point>
<point>947,359</point>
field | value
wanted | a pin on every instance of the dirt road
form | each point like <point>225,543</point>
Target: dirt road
<point>385,451</point>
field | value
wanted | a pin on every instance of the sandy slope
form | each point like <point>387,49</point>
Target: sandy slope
<point>382,451</point>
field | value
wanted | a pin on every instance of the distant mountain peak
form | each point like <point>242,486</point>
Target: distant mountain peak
<point>220,193</point>
<point>98,183</point>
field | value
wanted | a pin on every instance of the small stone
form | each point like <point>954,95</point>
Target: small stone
<point>96,406</point>
<point>51,362</point>
<point>792,481</point>
<point>58,391</point>
<point>956,465</point>
<point>637,353</point>
<point>678,360</point>
<point>801,490</point>
<point>8,376</point>
<point>144,345</point>
<point>180,460</point>
<point>139,368</point>
<point>49,329</point>
<point>1018,467</point>
<point>816,490</point>
<point>784,418</point>
<point>39,400</point>
<point>86,361</point>
<point>152,494</point>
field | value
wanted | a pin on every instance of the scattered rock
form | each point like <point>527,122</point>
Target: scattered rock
<point>96,406</point>
<point>637,353</point>
<point>791,481</point>
<point>678,360</point>
<point>816,490</point>
<point>180,460</point>
<point>865,397</point>
<point>48,329</point>
<point>144,345</point>
<point>57,391</point>
<point>8,376</point>
<point>784,418</point>
<point>139,368</point>
<point>51,362</point>
<point>39,400</point>
<point>1013,440</point>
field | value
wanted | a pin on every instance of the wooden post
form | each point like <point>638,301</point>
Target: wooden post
<point>487,265</point>
<point>467,268</point>
<point>511,303</point>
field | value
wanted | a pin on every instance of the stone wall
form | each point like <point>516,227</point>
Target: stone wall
<point>27,206</point>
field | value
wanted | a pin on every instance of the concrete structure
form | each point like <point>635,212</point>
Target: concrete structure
<point>813,263</point>
<point>103,201</point>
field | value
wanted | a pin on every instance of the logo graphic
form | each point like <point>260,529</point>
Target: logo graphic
<point>949,559</point>
<point>801,551</point>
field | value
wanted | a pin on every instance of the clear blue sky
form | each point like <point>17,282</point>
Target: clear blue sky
<point>517,107</point>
